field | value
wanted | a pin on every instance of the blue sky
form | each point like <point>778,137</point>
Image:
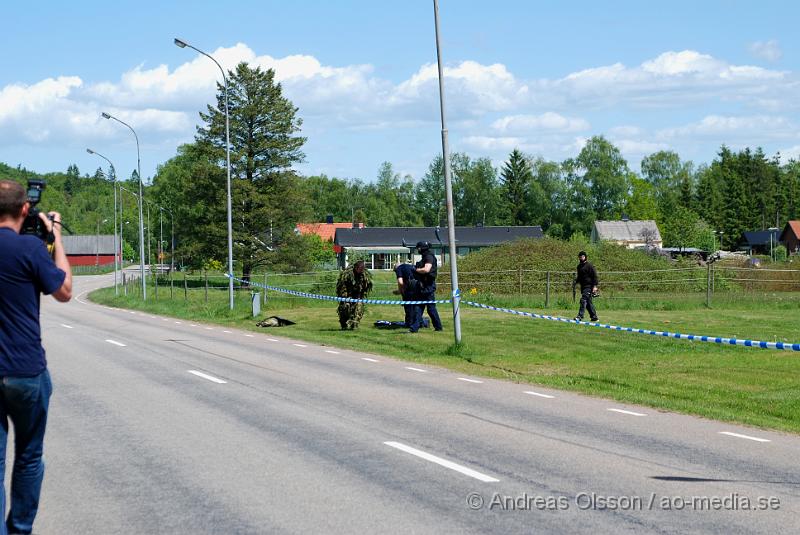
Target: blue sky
<point>541,76</point>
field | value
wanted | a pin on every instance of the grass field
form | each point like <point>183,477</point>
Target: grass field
<point>745,385</point>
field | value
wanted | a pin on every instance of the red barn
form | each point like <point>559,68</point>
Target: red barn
<point>96,250</point>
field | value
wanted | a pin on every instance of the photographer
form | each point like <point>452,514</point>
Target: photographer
<point>26,270</point>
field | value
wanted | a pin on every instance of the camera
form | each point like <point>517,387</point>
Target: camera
<point>33,225</point>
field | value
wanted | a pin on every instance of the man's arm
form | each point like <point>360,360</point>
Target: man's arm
<point>424,269</point>
<point>64,293</point>
<point>595,280</point>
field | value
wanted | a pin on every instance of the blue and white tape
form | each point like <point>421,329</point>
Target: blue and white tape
<point>338,299</point>
<point>697,338</point>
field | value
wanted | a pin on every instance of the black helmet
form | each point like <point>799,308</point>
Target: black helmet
<point>582,253</point>
<point>423,245</point>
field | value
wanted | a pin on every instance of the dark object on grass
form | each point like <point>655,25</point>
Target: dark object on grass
<point>384,324</point>
<point>274,321</point>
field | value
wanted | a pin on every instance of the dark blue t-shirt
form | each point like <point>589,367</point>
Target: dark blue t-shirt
<point>26,270</point>
<point>408,274</point>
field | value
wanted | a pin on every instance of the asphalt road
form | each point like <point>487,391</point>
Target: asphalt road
<point>164,426</point>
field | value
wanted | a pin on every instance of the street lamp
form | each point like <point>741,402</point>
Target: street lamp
<point>141,196</point>
<point>183,44</point>
<point>772,231</point>
<point>117,247</point>
<point>448,187</point>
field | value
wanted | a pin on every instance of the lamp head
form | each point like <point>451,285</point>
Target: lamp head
<point>105,115</point>
<point>179,43</point>
<point>90,151</point>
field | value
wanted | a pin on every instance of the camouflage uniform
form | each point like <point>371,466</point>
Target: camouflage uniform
<point>357,286</point>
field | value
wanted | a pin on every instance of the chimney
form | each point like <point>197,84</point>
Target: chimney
<point>329,219</point>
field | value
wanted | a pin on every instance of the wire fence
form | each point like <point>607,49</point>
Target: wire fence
<point>705,284</point>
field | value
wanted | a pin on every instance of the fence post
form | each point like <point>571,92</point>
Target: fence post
<point>185,289</point>
<point>265,289</point>
<point>205,275</point>
<point>708,285</point>
<point>124,285</point>
<point>155,281</point>
<point>519,274</point>
<point>547,291</point>
<point>170,283</point>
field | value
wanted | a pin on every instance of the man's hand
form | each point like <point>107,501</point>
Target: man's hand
<point>52,221</point>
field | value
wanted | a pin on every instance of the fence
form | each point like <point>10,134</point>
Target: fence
<point>545,287</point>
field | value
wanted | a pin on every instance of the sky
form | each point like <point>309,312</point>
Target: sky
<point>541,76</point>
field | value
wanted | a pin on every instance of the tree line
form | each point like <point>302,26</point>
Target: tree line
<point>739,190</point>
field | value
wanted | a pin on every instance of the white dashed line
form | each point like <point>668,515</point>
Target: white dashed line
<point>178,323</point>
<point>66,326</point>
<point>470,380</point>
<point>192,325</point>
<point>631,413</point>
<point>209,329</point>
<point>443,462</point>
<point>369,359</point>
<point>416,369</point>
<point>249,335</point>
<point>229,332</point>
<point>272,340</point>
<point>152,317</point>
<point>737,435</point>
<point>164,319</point>
<point>299,345</point>
<point>209,377</point>
<point>532,393</point>
<point>120,344</point>
<point>332,352</point>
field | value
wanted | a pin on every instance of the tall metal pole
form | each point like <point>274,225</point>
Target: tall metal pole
<point>184,44</point>
<point>448,187</point>
<point>141,199</point>
<point>117,245</point>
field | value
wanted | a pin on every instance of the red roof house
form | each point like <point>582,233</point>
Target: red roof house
<point>790,237</point>
<point>326,231</point>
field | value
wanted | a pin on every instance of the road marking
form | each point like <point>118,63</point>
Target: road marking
<point>416,369</point>
<point>229,332</point>
<point>152,317</point>
<point>66,326</point>
<point>192,325</point>
<point>626,412</point>
<point>369,359</point>
<point>131,312</point>
<point>443,462</point>
<point>532,393</point>
<point>120,344</point>
<point>332,352</point>
<point>299,345</point>
<point>249,335</point>
<point>744,436</point>
<point>470,380</point>
<point>209,377</point>
<point>209,329</point>
<point>272,340</point>
<point>164,319</point>
<point>178,323</point>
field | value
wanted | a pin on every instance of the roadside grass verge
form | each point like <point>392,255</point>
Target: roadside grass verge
<point>745,385</point>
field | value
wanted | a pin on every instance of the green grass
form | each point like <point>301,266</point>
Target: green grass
<point>745,385</point>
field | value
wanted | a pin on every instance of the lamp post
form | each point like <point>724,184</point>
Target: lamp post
<point>141,197</point>
<point>451,228</point>
<point>183,44</point>
<point>117,246</point>
<point>772,237</point>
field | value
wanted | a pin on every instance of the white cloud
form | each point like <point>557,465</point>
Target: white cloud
<point>547,121</point>
<point>767,50</point>
<point>790,153</point>
<point>757,127</point>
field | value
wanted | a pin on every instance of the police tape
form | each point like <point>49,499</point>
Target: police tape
<point>681,336</point>
<point>666,334</point>
<point>335,298</point>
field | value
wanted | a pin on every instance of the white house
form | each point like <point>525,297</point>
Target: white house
<point>631,234</point>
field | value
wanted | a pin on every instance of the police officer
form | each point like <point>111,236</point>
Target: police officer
<point>426,274</point>
<point>586,277</point>
<point>407,286</point>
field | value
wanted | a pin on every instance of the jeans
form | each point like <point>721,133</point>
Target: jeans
<point>24,400</point>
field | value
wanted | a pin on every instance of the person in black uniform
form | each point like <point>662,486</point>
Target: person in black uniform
<point>407,285</point>
<point>586,277</point>
<point>426,275</point>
